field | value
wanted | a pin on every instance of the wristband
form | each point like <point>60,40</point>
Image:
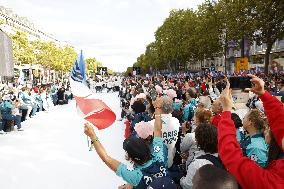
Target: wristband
<point>96,139</point>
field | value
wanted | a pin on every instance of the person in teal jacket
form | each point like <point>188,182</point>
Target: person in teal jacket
<point>7,108</point>
<point>188,111</point>
<point>255,147</point>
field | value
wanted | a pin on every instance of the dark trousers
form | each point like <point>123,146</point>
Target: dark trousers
<point>7,118</point>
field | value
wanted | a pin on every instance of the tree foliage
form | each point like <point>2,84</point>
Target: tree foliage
<point>92,64</point>
<point>187,36</point>
<point>47,54</point>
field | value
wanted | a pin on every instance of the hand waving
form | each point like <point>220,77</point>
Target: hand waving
<point>226,98</point>
<point>89,130</point>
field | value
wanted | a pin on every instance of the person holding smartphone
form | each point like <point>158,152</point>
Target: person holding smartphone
<point>245,170</point>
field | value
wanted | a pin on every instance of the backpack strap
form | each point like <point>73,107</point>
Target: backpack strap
<point>244,144</point>
<point>214,160</point>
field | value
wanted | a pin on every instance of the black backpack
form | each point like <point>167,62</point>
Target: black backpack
<point>214,160</point>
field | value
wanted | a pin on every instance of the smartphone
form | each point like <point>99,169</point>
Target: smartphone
<point>240,82</point>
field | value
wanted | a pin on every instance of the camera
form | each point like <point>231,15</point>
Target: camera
<point>240,82</point>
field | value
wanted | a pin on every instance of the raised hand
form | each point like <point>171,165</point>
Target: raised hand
<point>226,98</point>
<point>89,130</point>
<point>258,87</point>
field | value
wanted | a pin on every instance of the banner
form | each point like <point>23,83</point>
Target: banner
<point>242,64</point>
<point>6,56</point>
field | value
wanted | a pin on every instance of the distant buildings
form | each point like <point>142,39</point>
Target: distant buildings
<point>256,58</point>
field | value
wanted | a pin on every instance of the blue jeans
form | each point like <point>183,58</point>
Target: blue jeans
<point>34,110</point>
<point>18,121</point>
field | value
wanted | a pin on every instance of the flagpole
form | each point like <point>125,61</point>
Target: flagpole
<point>89,146</point>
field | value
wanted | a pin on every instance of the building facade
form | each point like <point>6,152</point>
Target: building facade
<point>11,23</point>
<point>256,58</point>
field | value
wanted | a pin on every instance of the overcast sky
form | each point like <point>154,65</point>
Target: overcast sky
<point>116,32</point>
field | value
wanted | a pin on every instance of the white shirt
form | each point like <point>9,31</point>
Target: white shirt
<point>170,129</point>
<point>186,182</point>
<point>189,144</point>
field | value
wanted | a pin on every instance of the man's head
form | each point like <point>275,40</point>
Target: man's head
<point>204,102</point>
<point>167,105</point>
<point>217,107</point>
<point>210,176</point>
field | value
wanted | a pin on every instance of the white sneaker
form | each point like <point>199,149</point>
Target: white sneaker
<point>2,132</point>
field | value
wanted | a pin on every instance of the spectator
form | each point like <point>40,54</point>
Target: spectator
<point>188,110</point>
<point>140,113</point>
<point>27,103</point>
<point>235,162</point>
<point>255,147</point>
<point>145,131</point>
<point>139,153</point>
<point>188,145</point>
<point>170,127</point>
<point>10,112</point>
<point>281,91</point>
<point>210,176</point>
<point>206,138</point>
<point>216,110</point>
<point>60,95</point>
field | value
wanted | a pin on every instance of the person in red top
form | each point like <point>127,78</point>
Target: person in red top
<point>203,86</point>
<point>245,170</point>
<point>217,110</point>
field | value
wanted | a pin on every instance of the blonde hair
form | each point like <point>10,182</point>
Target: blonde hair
<point>258,119</point>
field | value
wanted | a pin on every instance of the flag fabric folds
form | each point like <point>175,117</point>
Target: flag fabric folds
<point>91,109</point>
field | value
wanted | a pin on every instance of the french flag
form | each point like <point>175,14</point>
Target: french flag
<point>89,107</point>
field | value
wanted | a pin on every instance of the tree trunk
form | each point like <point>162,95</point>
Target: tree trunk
<point>266,59</point>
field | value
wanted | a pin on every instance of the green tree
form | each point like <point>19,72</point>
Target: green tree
<point>208,32</point>
<point>69,56</point>
<point>23,50</point>
<point>261,21</point>
<point>92,64</point>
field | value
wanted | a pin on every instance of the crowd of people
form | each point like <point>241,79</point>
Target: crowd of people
<point>100,84</point>
<point>20,102</point>
<point>189,131</point>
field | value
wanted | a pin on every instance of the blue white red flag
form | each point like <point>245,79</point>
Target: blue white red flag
<point>89,106</point>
